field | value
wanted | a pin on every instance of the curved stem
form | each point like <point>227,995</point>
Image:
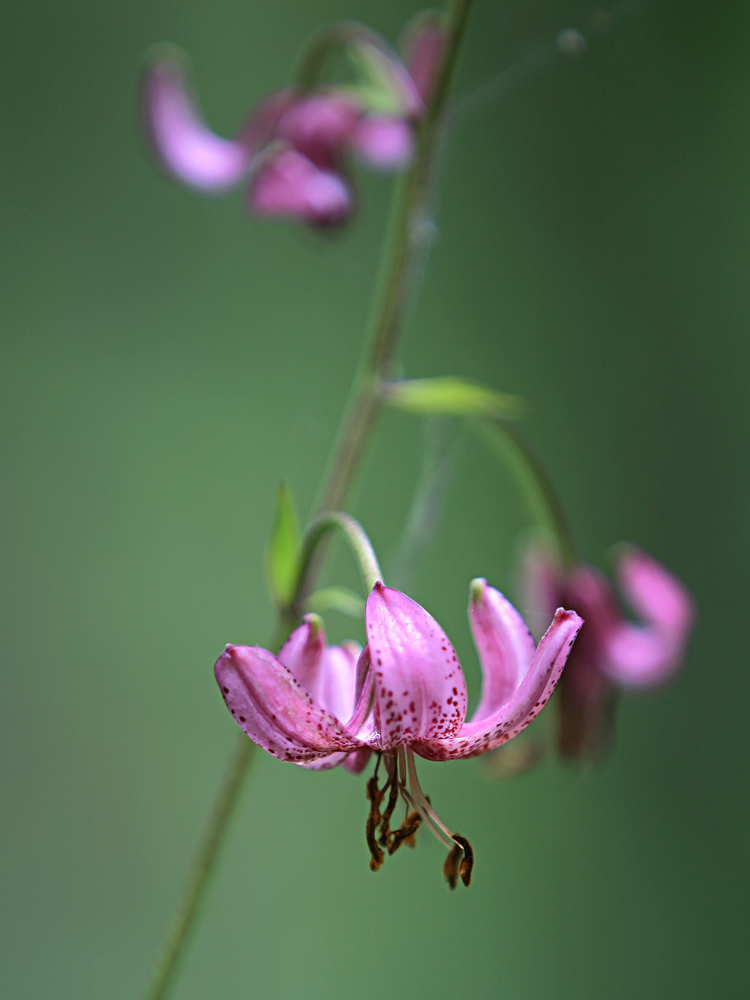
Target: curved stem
<point>356,536</point>
<point>544,503</point>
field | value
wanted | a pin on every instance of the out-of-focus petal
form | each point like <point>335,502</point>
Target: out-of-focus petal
<point>182,141</point>
<point>642,655</point>
<point>654,593</point>
<point>268,702</point>
<point>505,645</point>
<point>586,703</point>
<point>303,652</point>
<point>319,126</point>
<point>260,126</point>
<point>507,721</point>
<point>383,142</point>
<point>421,44</point>
<point>357,760</point>
<point>420,693</point>
<point>291,186</point>
<point>591,594</point>
<point>335,690</point>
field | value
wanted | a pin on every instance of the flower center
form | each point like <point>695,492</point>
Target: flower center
<point>402,782</point>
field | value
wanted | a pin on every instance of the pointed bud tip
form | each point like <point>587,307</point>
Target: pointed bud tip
<point>315,623</point>
<point>477,590</point>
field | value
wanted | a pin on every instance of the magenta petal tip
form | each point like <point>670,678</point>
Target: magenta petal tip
<point>180,138</point>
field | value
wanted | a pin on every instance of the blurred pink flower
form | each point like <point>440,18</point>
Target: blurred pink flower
<point>403,694</point>
<point>291,147</point>
<point>612,652</point>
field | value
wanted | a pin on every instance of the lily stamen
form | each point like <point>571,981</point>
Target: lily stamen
<point>422,803</point>
<point>408,694</point>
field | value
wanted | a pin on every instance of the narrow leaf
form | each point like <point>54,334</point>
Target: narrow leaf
<point>357,60</point>
<point>452,396</point>
<point>283,552</point>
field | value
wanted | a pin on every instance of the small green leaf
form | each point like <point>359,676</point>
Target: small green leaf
<point>452,396</point>
<point>283,552</point>
<point>336,599</point>
<point>355,60</point>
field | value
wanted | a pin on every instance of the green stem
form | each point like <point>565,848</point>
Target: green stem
<point>404,247</point>
<point>208,849</point>
<point>356,536</point>
<point>535,484</point>
<point>401,254</point>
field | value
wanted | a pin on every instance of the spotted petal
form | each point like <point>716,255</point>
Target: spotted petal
<point>182,141</point>
<point>420,693</point>
<point>269,703</point>
<point>335,691</point>
<point>518,681</point>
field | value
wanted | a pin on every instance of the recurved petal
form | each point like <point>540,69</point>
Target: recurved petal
<point>479,736</point>
<point>268,702</point>
<point>384,142</point>
<point>290,185</point>
<point>505,645</point>
<point>655,593</point>
<point>642,655</point>
<point>354,762</point>
<point>419,688</point>
<point>182,141</point>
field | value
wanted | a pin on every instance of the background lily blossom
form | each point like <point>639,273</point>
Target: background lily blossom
<point>291,146</point>
<point>612,653</point>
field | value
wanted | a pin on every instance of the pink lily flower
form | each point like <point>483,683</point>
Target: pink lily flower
<point>291,147</point>
<point>403,695</point>
<point>613,653</point>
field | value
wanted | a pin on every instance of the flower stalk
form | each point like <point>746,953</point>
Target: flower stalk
<point>193,893</point>
<point>398,269</point>
<point>397,273</point>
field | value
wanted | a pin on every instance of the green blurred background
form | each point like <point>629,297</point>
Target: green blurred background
<point>166,360</point>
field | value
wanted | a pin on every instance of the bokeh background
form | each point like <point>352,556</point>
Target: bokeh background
<point>166,361</point>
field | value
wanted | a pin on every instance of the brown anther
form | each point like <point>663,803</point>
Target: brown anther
<point>412,818</point>
<point>466,866</point>
<point>406,833</point>
<point>375,795</point>
<point>450,868</point>
<point>385,829</point>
